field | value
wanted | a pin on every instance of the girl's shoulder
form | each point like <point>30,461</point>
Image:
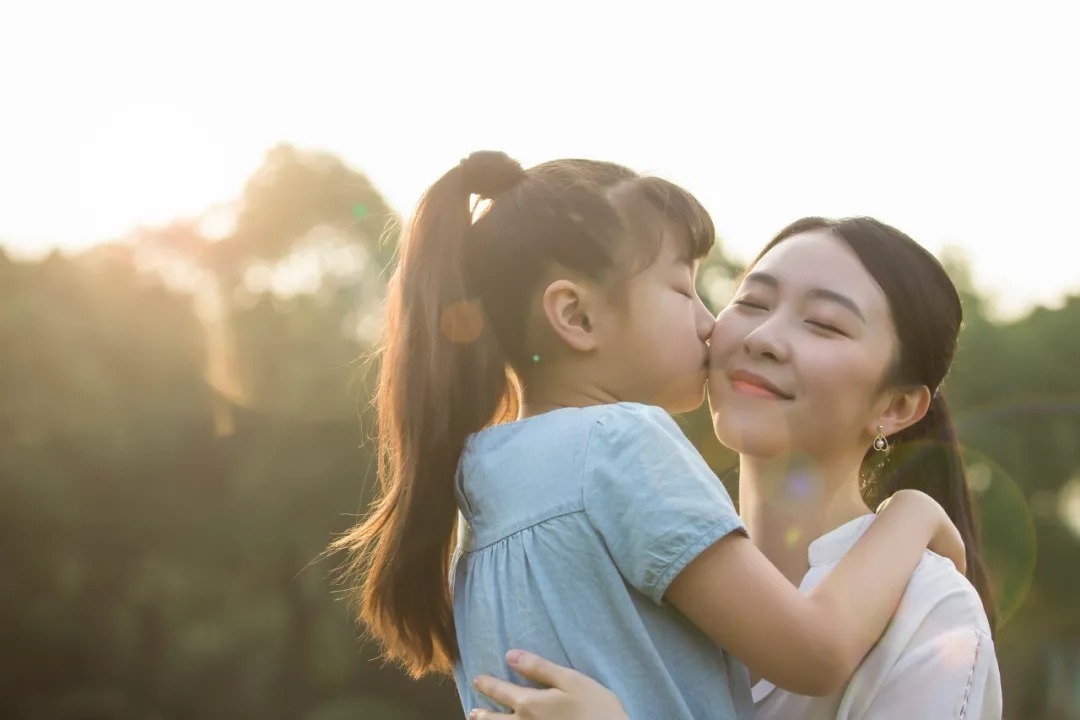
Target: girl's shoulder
<point>636,421</point>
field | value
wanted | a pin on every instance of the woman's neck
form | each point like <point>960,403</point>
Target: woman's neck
<point>787,503</point>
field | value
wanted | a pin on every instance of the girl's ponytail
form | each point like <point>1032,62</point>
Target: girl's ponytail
<point>442,377</point>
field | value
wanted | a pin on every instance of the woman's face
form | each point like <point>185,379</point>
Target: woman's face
<point>799,356</point>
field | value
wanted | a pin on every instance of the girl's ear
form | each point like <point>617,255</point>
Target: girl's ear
<point>567,306</point>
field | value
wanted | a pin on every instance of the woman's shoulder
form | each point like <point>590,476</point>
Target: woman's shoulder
<point>940,594</point>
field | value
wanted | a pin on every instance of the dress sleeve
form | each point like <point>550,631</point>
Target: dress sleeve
<point>652,497</point>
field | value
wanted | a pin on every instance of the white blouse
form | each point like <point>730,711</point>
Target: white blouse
<point>935,661</point>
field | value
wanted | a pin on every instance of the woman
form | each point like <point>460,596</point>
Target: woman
<point>838,339</point>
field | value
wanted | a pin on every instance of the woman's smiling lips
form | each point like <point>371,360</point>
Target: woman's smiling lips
<point>751,384</point>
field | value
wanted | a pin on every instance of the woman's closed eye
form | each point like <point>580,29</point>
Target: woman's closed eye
<point>827,327</point>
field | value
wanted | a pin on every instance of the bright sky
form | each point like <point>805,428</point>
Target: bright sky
<point>956,121</point>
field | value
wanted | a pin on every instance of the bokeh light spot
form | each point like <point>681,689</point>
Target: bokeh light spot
<point>1069,505</point>
<point>462,322</point>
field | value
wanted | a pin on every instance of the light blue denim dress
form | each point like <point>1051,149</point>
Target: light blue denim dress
<point>575,522</point>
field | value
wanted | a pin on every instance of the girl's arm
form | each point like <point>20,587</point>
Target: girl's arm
<point>811,644</point>
<point>807,644</point>
<point>674,535</point>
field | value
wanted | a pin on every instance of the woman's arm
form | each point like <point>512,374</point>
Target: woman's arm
<point>811,644</point>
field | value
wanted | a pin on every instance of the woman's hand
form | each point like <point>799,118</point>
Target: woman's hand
<point>569,695</point>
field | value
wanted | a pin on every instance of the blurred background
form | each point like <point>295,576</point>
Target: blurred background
<point>199,205</point>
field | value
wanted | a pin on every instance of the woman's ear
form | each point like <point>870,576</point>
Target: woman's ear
<point>906,407</point>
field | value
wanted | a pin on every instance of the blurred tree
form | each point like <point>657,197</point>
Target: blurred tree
<point>155,566</point>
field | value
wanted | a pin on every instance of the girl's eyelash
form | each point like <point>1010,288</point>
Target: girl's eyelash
<point>747,303</point>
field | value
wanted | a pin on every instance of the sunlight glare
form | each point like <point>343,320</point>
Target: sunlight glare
<point>149,164</point>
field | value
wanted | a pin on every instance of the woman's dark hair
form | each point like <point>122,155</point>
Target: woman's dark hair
<point>927,315</point>
<point>456,348</point>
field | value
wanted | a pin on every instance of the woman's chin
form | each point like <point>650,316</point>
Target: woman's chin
<point>751,439</point>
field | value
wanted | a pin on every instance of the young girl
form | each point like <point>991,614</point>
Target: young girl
<point>840,325</point>
<point>532,354</point>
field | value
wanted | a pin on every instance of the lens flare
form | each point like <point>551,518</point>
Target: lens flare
<point>1008,532</point>
<point>462,322</point>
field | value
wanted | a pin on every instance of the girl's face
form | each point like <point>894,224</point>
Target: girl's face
<point>658,350</point>
<point>799,356</point>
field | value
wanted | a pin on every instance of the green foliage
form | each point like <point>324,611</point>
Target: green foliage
<point>161,531</point>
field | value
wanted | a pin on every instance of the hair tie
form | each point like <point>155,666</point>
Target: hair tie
<point>488,173</point>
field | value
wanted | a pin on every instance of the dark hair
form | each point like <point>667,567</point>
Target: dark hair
<point>927,315</point>
<point>455,349</point>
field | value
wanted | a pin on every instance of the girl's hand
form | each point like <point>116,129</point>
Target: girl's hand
<point>946,540</point>
<point>569,694</point>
